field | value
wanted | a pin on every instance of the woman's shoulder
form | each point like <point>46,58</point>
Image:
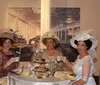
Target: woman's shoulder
<point>44,52</point>
<point>1,52</point>
<point>87,57</point>
<point>58,52</point>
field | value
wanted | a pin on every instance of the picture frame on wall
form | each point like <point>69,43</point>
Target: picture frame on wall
<point>25,21</point>
<point>65,22</point>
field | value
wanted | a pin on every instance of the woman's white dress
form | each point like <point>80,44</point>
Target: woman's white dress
<point>77,68</point>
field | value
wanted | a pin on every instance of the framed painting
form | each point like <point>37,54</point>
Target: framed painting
<point>65,22</point>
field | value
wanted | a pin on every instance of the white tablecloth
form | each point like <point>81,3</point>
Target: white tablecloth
<point>19,80</point>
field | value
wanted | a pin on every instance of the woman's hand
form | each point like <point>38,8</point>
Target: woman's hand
<point>79,82</point>
<point>10,62</point>
<point>12,66</point>
<point>74,84</point>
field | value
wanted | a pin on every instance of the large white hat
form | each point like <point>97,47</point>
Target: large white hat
<point>81,36</point>
<point>51,35</point>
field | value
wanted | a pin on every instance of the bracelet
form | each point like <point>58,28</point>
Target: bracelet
<point>85,78</point>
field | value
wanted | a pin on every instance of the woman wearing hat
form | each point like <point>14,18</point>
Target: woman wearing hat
<point>50,40</point>
<point>7,59</point>
<point>36,45</point>
<point>84,65</point>
<point>50,54</point>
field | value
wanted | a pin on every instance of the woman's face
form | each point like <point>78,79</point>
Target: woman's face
<point>81,46</point>
<point>37,44</point>
<point>49,43</point>
<point>7,44</point>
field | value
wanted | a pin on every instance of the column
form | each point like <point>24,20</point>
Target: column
<point>45,17</point>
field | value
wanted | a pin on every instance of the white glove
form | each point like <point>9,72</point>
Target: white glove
<point>61,58</point>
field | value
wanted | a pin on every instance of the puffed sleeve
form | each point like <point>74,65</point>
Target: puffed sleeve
<point>60,53</point>
<point>86,68</point>
<point>1,59</point>
<point>2,72</point>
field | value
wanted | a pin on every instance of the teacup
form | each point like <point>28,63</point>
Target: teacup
<point>17,59</point>
<point>59,58</point>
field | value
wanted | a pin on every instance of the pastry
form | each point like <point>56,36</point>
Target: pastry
<point>40,68</point>
<point>64,75</point>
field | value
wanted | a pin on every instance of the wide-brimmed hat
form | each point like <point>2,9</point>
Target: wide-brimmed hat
<point>7,35</point>
<point>50,35</point>
<point>36,38</point>
<point>81,36</point>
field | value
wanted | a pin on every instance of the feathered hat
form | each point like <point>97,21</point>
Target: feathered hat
<point>84,35</point>
<point>50,35</point>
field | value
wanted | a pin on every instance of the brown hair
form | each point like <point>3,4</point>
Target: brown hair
<point>88,43</point>
<point>2,40</point>
<point>44,41</point>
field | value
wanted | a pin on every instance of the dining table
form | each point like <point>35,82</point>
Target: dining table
<point>15,79</point>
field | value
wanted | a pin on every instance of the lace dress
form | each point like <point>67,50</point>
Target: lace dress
<point>3,72</point>
<point>84,68</point>
<point>57,66</point>
<point>4,58</point>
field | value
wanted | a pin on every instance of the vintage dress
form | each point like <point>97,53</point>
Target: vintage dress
<point>55,66</point>
<point>3,60</point>
<point>51,60</point>
<point>77,68</point>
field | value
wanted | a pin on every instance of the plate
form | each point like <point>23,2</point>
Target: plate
<point>40,69</point>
